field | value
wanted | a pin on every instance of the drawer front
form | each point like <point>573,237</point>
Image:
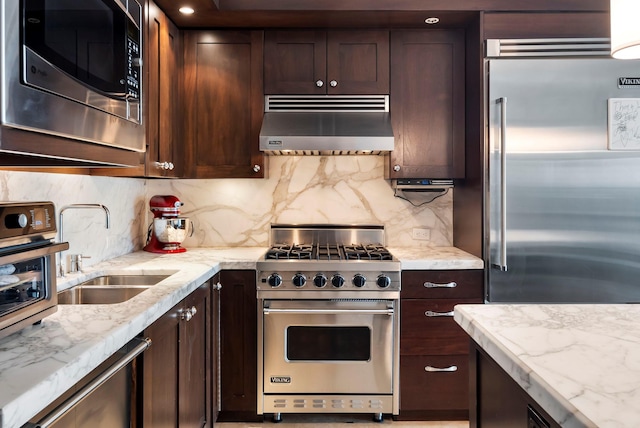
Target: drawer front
<point>442,284</point>
<point>421,389</point>
<point>434,334</point>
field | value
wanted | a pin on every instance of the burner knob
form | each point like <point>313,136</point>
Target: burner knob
<point>383,281</point>
<point>337,280</point>
<point>299,280</point>
<point>275,280</point>
<point>320,280</point>
<point>359,280</point>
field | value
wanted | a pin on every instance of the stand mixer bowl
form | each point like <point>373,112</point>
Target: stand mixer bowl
<point>171,231</point>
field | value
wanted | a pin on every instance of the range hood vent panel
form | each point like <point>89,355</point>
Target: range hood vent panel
<point>326,125</point>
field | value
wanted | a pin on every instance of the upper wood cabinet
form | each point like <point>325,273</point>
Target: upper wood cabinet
<point>223,104</point>
<point>428,104</point>
<point>162,67</point>
<point>326,62</point>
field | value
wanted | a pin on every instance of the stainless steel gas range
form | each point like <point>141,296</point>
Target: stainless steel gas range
<point>328,322</point>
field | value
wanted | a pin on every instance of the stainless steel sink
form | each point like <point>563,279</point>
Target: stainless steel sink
<point>108,289</point>
<point>99,295</point>
<point>125,280</point>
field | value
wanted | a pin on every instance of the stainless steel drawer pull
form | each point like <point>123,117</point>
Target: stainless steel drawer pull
<point>432,369</point>
<point>451,284</point>
<point>438,314</point>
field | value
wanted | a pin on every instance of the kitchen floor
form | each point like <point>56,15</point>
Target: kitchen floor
<point>340,421</point>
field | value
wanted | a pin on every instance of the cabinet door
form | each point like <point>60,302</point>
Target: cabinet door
<point>427,104</point>
<point>357,62</point>
<point>295,62</point>
<point>223,105</point>
<point>195,359</point>
<point>162,65</point>
<point>161,365</point>
<point>238,346</point>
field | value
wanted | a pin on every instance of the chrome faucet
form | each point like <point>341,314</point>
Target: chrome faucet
<point>77,260</point>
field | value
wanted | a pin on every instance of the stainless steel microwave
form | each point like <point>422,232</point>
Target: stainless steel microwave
<point>72,68</point>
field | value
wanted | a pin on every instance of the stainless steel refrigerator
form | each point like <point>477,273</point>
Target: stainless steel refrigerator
<point>562,197</point>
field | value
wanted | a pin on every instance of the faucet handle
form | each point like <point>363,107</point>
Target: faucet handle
<point>76,262</point>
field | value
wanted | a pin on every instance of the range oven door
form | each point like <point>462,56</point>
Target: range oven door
<point>328,347</point>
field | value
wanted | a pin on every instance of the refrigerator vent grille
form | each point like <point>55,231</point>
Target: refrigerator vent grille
<point>541,48</point>
<point>327,103</point>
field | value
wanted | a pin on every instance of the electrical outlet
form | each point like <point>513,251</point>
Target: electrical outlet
<point>421,234</point>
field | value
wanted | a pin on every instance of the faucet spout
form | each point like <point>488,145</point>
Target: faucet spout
<point>79,206</point>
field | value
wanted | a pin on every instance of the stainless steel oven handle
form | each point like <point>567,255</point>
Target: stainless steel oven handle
<point>61,410</point>
<point>268,311</point>
<point>34,253</point>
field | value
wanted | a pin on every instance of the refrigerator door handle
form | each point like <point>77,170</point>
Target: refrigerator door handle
<point>502,262</point>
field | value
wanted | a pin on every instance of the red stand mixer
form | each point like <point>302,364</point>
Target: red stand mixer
<point>168,230</point>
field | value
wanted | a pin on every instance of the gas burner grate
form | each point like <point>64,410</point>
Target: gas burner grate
<point>328,252</point>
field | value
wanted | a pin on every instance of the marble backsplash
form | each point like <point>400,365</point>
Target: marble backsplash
<point>84,229</point>
<point>306,189</point>
<point>235,212</point>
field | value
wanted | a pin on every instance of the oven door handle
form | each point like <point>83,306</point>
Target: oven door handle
<point>388,311</point>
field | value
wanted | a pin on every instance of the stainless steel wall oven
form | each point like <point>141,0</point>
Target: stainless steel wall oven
<point>328,322</point>
<point>27,264</point>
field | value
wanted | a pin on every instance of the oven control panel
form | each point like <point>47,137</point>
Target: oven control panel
<point>26,219</point>
<point>311,280</point>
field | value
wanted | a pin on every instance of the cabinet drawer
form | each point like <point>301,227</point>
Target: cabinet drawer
<point>431,335</point>
<point>442,284</point>
<point>434,390</point>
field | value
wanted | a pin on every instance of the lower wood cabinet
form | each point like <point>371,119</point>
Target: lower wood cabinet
<point>238,346</point>
<point>497,401</point>
<point>434,374</point>
<point>179,375</point>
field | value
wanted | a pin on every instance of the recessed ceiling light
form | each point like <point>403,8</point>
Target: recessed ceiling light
<point>432,20</point>
<point>186,10</point>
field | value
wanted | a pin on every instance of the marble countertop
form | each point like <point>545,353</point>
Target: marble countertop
<point>41,362</point>
<point>580,362</point>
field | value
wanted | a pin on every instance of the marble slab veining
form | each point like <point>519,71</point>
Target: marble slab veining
<point>580,362</point>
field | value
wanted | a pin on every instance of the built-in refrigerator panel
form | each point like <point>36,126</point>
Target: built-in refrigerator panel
<point>563,210</point>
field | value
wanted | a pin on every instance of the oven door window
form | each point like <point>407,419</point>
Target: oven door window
<point>86,39</point>
<point>327,343</point>
<point>22,284</point>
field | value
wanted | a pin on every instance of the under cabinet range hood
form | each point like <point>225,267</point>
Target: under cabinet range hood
<point>326,125</point>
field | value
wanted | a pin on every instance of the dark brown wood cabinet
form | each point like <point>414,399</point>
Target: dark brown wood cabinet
<point>335,62</point>
<point>428,104</point>
<point>162,65</point>
<point>434,375</point>
<point>238,346</point>
<point>496,400</point>
<point>223,104</point>
<point>179,376</point>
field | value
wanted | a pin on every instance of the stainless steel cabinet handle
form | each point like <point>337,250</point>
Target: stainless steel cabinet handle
<point>217,286</point>
<point>166,166</point>
<point>188,314</point>
<point>61,410</point>
<point>396,168</point>
<point>256,168</point>
<point>451,284</point>
<point>333,83</point>
<point>432,369</point>
<point>319,83</point>
<point>438,314</point>
<point>502,262</point>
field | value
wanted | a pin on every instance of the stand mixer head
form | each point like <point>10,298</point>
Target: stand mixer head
<point>168,230</point>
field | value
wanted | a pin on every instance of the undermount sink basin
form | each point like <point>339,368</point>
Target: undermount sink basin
<point>98,295</point>
<point>108,289</point>
<point>124,280</point>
